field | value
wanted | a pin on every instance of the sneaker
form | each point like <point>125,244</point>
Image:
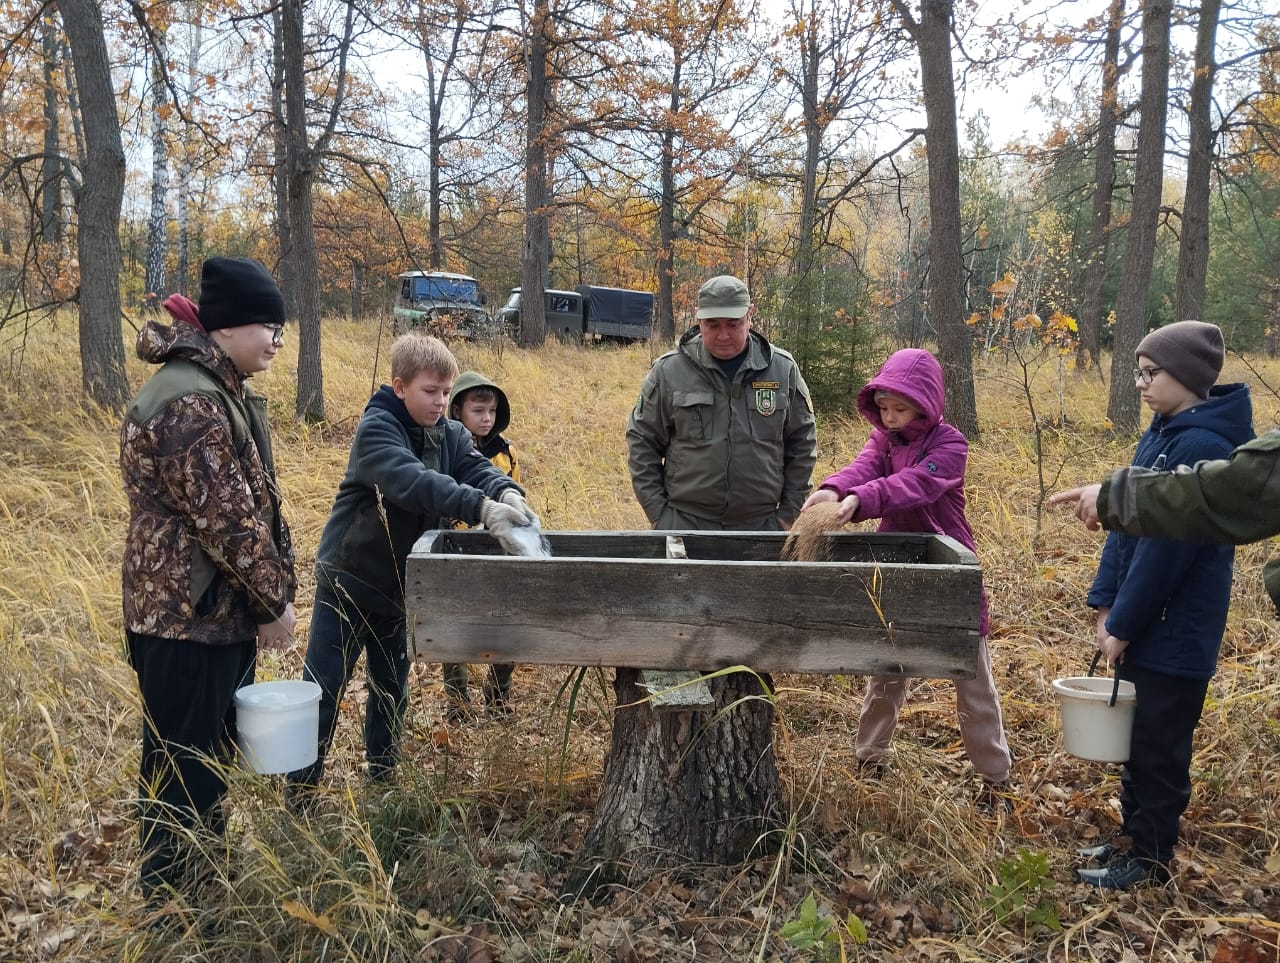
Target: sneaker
<point>1100,855</point>
<point>1125,873</point>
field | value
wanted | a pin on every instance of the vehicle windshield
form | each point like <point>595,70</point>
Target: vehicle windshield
<point>461,290</point>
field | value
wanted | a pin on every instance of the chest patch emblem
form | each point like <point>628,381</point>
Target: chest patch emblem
<point>766,401</point>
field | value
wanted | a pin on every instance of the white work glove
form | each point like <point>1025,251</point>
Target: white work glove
<point>501,521</point>
<point>516,500</point>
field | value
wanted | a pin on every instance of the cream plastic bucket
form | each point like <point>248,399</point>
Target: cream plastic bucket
<point>278,724</point>
<point>1092,728</point>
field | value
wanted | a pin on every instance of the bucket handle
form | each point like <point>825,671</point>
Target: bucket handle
<point>1115,686</point>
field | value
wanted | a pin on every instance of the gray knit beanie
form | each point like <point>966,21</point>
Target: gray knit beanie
<point>1190,351</point>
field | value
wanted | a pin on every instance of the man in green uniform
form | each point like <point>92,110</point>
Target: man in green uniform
<point>1236,500</point>
<point>722,436</point>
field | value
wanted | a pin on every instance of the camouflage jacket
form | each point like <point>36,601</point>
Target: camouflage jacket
<point>1231,500</point>
<point>737,454</point>
<point>208,556</point>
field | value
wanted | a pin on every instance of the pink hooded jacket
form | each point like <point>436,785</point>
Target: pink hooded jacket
<point>913,479</point>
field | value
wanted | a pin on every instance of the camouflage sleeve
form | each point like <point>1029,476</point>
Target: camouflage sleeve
<point>202,478</point>
<point>1234,500</point>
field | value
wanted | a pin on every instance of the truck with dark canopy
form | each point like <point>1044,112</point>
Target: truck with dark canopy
<point>590,312</point>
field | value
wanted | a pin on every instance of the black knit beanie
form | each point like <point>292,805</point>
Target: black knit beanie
<point>1191,351</point>
<point>235,291</point>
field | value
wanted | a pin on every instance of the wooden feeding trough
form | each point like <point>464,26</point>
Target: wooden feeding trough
<point>884,604</point>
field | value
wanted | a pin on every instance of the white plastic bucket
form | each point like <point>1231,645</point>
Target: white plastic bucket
<point>278,724</point>
<point>1091,728</point>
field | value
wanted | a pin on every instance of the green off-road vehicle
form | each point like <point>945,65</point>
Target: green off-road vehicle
<point>447,305</point>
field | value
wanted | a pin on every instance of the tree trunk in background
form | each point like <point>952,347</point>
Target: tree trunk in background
<point>1104,181</point>
<point>300,165</point>
<point>678,787</point>
<point>1139,254</point>
<point>802,299</point>
<point>946,277</point>
<point>186,161</point>
<point>537,230</point>
<point>286,271</point>
<point>357,291</point>
<point>665,261</point>
<point>1193,251</point>
<point>52,228</point>
<point>98,201</point>
<point>158,221</point>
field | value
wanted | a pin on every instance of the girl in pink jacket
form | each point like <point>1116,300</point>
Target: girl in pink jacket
<point>910,475</point>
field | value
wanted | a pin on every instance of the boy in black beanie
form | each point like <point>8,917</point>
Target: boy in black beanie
<point>208,567</point>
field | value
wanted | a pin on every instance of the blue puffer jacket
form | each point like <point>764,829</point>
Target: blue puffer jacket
<point>1169,599</point>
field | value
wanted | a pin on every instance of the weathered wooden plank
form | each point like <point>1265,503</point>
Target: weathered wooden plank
<point>883,547</point>
<point>671,690</point>
<point>882,617</point>
<point>676,691</point>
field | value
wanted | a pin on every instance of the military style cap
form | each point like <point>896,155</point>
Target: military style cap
<point>724,296</point>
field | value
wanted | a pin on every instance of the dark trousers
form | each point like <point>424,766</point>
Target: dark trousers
<point>497,689</point>
<point>188,738</point>
<point>340,631</point>
<point>1155,786</point>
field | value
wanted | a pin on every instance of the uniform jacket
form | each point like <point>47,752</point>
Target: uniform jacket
<point>735,454</point>
<point>414,476</point>
<point>199,502</point>
<point>1169,598</point>
<point>912,479</point>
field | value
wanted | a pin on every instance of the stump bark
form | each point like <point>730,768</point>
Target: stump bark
<point>684,787</point>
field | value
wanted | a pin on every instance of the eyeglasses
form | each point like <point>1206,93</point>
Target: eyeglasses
<point>1144,376</point>
<point>277,332</point>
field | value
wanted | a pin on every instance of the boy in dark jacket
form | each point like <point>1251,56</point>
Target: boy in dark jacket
<point>1162,604</point>
<point>410,468</point>
<point>483,409</point>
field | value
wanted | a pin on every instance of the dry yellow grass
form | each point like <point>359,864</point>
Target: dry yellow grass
<point>475,840</point>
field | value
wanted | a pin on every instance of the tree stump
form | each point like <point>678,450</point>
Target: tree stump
<point>698,787</point>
